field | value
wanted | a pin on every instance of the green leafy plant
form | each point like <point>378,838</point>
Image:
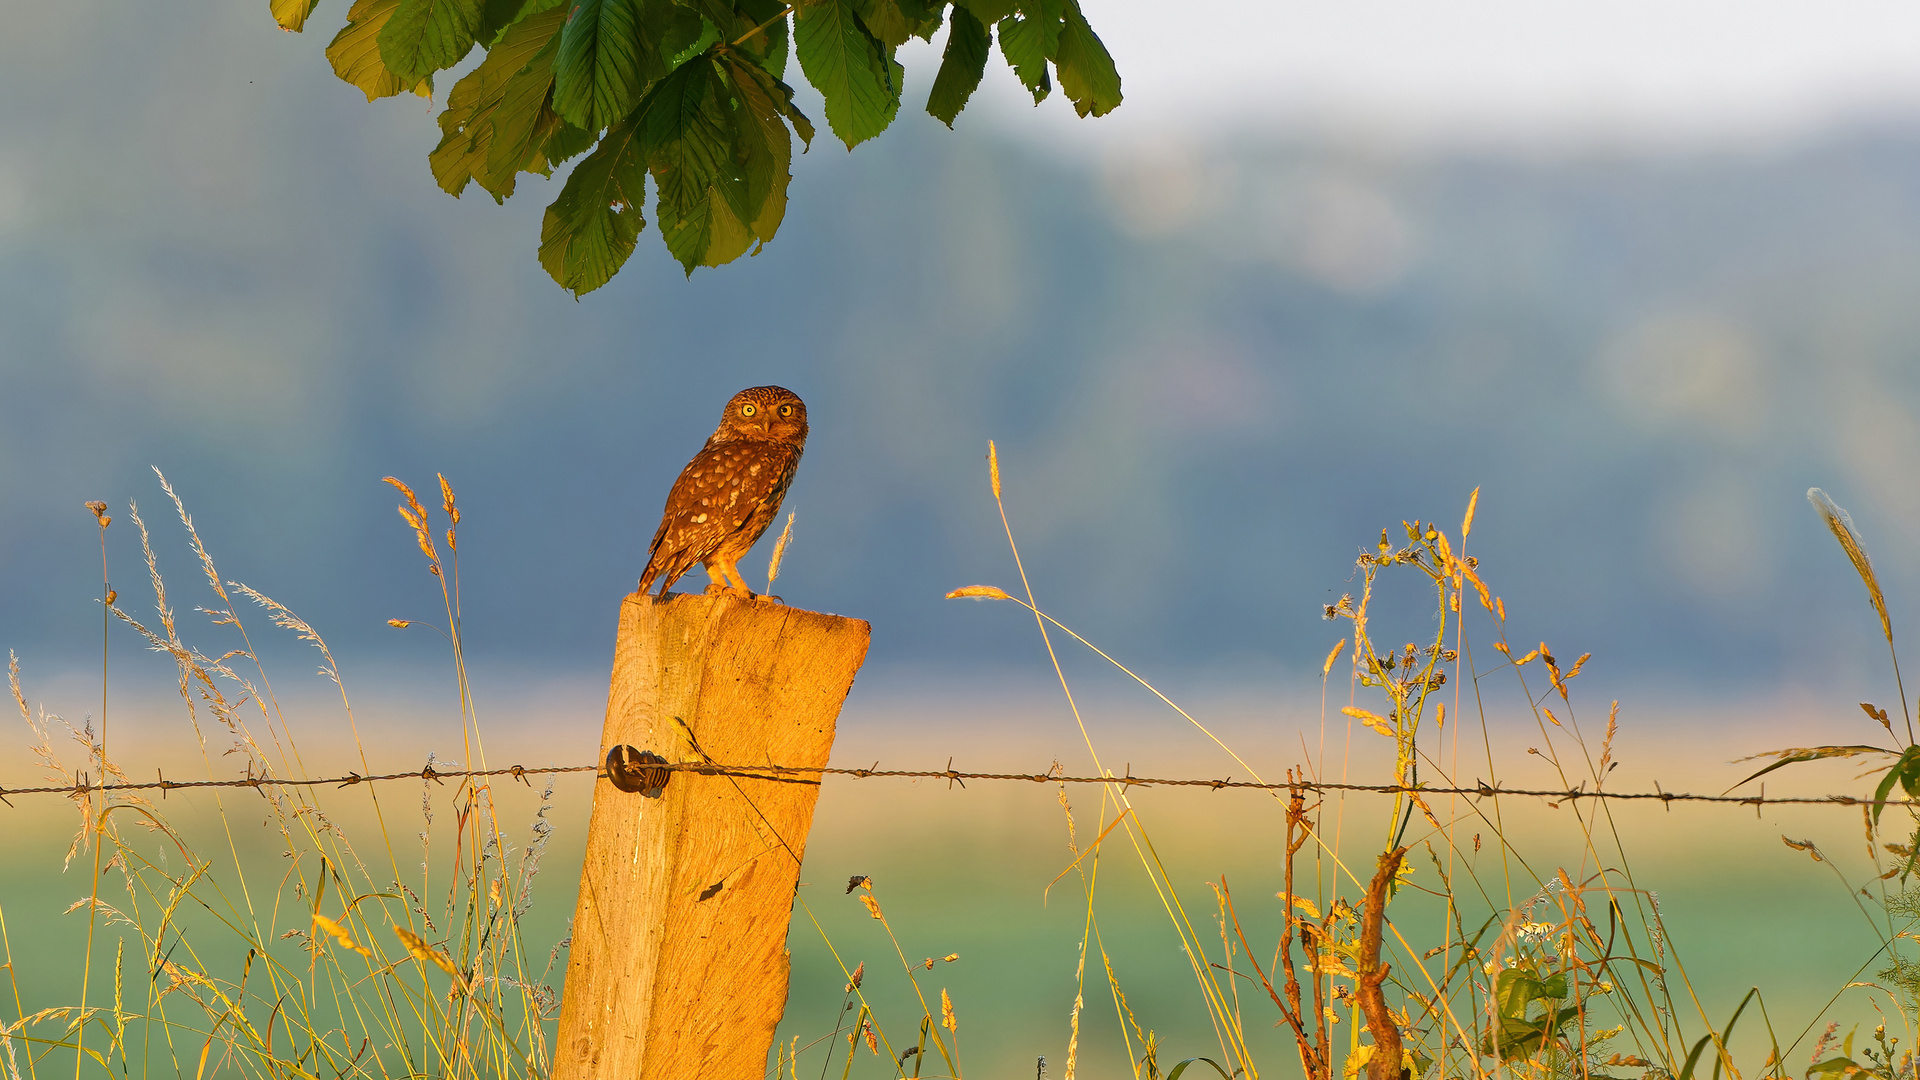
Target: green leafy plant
<point>687,92</point>
<point>1878,1061</point>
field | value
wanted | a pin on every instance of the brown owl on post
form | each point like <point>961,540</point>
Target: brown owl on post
<point>731,490</point>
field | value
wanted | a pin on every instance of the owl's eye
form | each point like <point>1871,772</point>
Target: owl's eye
<point>786,410</point>
<point>748,409</point>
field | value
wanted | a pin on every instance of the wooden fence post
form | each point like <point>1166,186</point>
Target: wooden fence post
<point>678,968</point>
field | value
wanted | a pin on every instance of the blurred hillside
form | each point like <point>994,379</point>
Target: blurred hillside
<point>1213,370</point>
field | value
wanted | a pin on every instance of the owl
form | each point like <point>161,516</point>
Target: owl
<point>731,490</point>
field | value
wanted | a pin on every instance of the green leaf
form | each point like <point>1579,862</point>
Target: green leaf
<point>708,235</point>
<point>852,70</point>
<point>722,16</point>
<point>1516,988</point>
<point>1880,793</point>
<point>1029,40</point>
<point>1087,74</point>
<point>597,75</point>
<point>961,67</point>
<point>525,127</point>
<point>1905,771</point>
<point>782,96</point>
<point>765,37</point>
<point>703,190</point>
<point>1909,770</point>
<point>894,21</point>
<point>527,138</point>
<point>611,52</point>
<point>565,143</point>
<point>1047,15</point>
<point>590,230</point>
<point>292,14</point>
<point>355,52</point>
<point>1181,1067</point>
<point>709,36</point>
<point>425,36</point>
<point>1811,753</point>
<point>762,144</point>
<point>1514,1038</point>
<point>989,11</point>
<point>491,114</point>
<point>1726,1033</point>
<point>498,16</point>
<point>528,135</point>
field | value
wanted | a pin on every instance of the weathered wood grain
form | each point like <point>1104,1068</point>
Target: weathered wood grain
<point>678,967</point>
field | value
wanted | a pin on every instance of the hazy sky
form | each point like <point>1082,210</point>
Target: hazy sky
<point>1526,68</point>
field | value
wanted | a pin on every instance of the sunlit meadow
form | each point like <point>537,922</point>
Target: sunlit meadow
<point>418,927</point>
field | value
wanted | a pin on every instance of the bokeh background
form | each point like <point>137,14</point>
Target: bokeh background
<point>1641,273</point>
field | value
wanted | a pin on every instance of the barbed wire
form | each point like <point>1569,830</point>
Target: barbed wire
<point>84,786</point>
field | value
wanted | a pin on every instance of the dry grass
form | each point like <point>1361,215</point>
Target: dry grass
<point>1535,971</point>
<point>1411,935</point>
<point>334,960</point>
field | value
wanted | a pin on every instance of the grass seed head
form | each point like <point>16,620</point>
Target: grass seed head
<point>1332,655</point>
<point>417,946</point>
<point>1841,525</point>
<point>339,933</point>
<point>446,499</point>
<point>779,551</point>
<point>416,516</point>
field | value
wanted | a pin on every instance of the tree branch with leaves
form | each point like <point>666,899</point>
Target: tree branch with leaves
<point>687,92</point>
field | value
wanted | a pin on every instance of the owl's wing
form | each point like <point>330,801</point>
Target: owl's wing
<point>708,502</point>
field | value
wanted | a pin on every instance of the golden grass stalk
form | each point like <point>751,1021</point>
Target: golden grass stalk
<point>418,948</point>
<point>339,933</point>
<point>1332,655</point>
<point>1840,524</point>
<point>779,551</point>
<point>446,499</point>
<point>416,516</point>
